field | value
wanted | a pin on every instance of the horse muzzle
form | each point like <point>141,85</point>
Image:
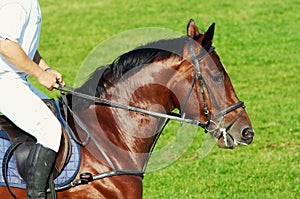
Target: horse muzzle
<point>227,141</point>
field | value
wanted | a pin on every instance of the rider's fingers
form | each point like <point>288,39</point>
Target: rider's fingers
<point>59,78</point>
<point>56,85</point>
<point>50,88</point>
<point>60,82</point>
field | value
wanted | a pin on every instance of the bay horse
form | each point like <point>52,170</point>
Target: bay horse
<point>119,112</point>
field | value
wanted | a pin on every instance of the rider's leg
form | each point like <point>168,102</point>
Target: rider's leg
<point>30,113</point>
<point>40,163</point>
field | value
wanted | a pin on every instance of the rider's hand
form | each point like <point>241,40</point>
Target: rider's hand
<point>59,79</point>
<point>51,79</point>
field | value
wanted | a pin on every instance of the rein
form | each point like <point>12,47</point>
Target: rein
<point>113,104</point>
<point>209,126</point>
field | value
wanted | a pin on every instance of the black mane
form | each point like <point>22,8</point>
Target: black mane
<point>137,58</point>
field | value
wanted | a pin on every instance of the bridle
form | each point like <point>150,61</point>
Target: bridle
<point>210,125</point>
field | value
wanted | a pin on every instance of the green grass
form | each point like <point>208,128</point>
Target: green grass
<point>258,42</point>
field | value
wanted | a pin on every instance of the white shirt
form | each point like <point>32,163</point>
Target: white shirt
<point>20,21</point>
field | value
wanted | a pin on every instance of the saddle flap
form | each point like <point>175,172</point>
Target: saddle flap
<point>65,150</point>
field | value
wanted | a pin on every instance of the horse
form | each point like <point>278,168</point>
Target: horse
<point>118,113</point>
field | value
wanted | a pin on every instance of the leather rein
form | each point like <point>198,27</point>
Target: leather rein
<point>209,126</point>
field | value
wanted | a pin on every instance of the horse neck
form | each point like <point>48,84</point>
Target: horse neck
<point>148,89</point>
<point>127,136</point>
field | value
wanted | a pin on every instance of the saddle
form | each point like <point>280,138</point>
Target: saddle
<point>24,142</point>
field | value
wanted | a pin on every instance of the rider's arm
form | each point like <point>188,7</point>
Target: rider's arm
<point>14,54</point>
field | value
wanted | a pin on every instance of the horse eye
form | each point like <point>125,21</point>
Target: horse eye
<point>217,78</point>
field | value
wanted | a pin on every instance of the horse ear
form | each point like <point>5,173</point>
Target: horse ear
<point>208,36</point>
<point>192,29</point>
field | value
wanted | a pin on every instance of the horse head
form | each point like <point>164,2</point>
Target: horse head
<point>221,112</point>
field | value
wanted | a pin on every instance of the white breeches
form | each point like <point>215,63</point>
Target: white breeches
<point>19,101</point>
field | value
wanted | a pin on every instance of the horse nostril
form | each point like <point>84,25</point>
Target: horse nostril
<point>247,133</point>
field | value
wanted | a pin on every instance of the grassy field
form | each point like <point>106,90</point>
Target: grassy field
<point>258,42</point>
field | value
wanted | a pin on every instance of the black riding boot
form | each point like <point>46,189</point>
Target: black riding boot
<point>40,162</point>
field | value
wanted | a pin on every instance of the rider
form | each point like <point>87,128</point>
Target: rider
<point>20,23</point>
